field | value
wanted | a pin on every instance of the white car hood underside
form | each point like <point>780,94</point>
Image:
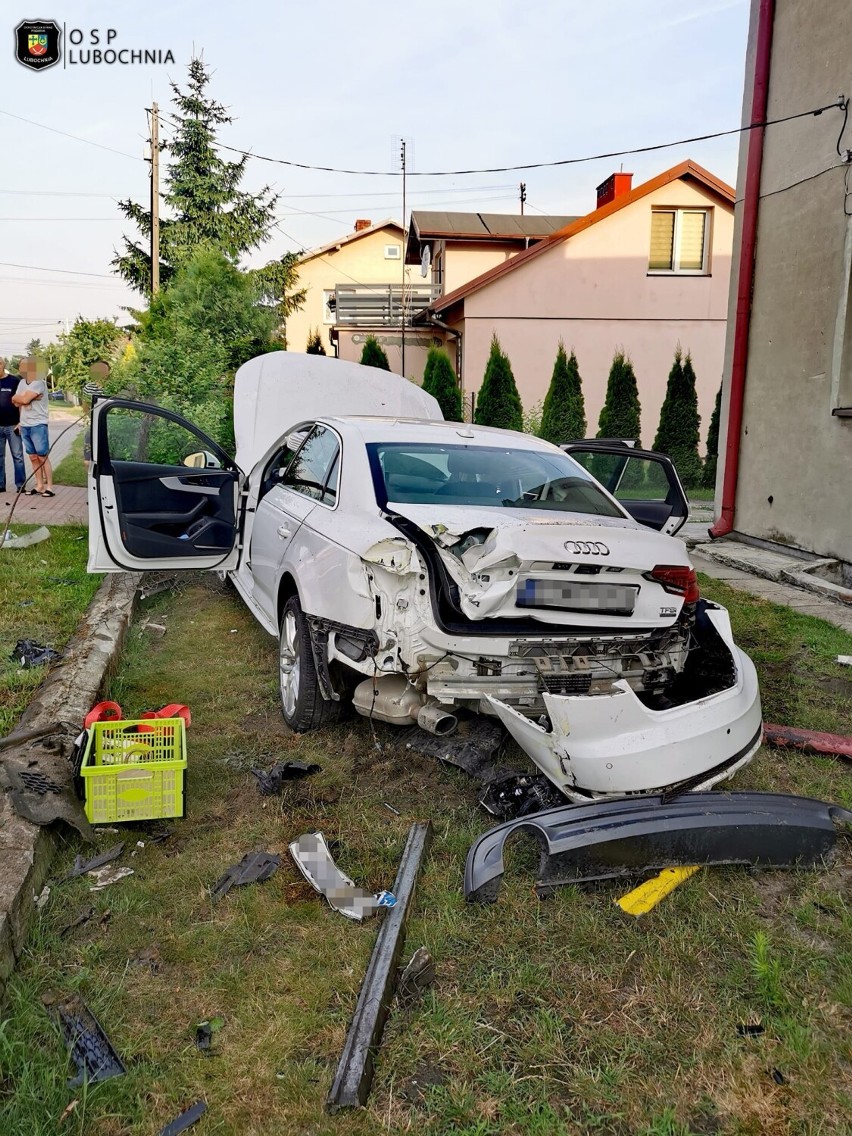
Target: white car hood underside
<point>276,391</point>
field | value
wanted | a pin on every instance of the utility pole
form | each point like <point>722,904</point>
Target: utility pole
<point>404,241</point>
<point>523,188</point>
<point>155,199</point>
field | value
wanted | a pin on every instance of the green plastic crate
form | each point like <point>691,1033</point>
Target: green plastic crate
<point>130,776</point>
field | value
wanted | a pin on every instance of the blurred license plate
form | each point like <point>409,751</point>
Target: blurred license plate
<point>616,599</point>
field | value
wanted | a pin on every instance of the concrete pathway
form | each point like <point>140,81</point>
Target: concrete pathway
<point>69,506</point>
<point>806,602</point>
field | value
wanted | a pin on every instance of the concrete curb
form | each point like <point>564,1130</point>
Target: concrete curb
<point>779,568</point>
<point>66,695</point>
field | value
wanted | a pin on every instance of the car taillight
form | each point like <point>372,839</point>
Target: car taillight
<point>678,579</point>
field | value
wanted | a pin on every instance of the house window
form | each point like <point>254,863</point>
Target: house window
<point>393,252</point>
<point>679,241</point>
<point>328,305</point>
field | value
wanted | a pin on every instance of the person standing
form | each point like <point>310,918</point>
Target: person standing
<point>31,398</point>
<point>10,418</point>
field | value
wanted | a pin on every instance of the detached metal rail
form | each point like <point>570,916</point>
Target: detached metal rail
<point>354,1076</point>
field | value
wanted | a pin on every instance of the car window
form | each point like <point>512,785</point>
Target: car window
<point>135,435</point>
<point>430,474</point>
<point>628,477</point>
<point>313,471</point>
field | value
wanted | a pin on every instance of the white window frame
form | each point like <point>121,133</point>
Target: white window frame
<point>393,252</point>
<point>678,211</point>
<point>327,314</point>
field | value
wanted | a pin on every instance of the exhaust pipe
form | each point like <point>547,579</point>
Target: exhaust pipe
<point>391,699</point>
<point>436,720</point>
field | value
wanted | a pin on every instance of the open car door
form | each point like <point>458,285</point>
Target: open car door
<point>643,482</point>
<point>161,493</point>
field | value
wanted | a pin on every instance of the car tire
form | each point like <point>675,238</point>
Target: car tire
<point>302,703</point>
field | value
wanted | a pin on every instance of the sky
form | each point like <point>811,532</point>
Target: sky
<point>469,84</point>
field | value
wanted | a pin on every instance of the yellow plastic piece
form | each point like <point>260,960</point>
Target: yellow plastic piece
<point>645,897</point>
<point>131,776</point>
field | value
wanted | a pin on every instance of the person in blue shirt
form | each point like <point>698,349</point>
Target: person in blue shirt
<point>10,430</point>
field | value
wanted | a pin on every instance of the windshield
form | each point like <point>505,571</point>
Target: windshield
<point>424,473</point>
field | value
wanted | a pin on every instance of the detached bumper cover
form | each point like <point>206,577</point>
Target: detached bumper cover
<point>641,835</point>
<point>612,744</point>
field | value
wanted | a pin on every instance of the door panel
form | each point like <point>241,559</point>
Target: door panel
<point>154,511</point>
<point>643,482</point>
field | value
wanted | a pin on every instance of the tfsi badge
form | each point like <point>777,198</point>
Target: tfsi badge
<point>37,43</point>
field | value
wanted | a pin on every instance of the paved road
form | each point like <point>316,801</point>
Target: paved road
<point>69,504</point>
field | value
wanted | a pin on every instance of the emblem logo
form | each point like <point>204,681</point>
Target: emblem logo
<point>37,44</point>
<point>586,548</point>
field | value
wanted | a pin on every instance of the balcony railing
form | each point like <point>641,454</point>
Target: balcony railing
<point>380,305</point>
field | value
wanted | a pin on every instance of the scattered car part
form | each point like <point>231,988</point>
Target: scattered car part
<point>185,1120</point>
<point>519,794</point>
<point>111,875</point>
<point>14,739</point>
<point>41,899</point>
<point>471,748</point>
<point>636,835</point>
<point>418,975</point>
<point>647,895</point>
<point>809,741</point>
<point>271,782</point>
<point>156,589</point>
<point>314,861</point>
<point>90,1048</point>
<point>85,915</point>
<point>204,1033</point>
<point>396,812</point>
<point>750,1029</point>
<point>25,540</point>
<point>28,653</point>
<point>354,1076</point>
<point>82,866</point>
<point>845,660</point>
<point>38,783</point>
<point>255,867</point>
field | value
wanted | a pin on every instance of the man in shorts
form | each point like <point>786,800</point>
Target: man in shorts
<point>31,400</point>
<point>10,430</point>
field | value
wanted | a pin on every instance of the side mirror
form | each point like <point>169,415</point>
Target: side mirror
<point>203,459</point>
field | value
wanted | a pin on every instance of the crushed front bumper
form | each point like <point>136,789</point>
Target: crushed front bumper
<point>612,745</point>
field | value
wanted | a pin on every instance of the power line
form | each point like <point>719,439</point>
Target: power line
<point>63,271</point>
<point>75,137</point>
<point>840,104</point>
<point>60,193</point>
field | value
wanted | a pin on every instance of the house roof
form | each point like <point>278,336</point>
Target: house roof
<point>687,170</point>
<point>333,246</point>
<point>426,225</point>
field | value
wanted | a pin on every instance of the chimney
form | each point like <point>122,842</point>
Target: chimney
<point>362,224</point>
<point>614,186</point>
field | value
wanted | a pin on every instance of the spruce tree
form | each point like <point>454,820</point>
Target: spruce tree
<point>564,413</point>
<point>678,434</point>
<point>204,204</point>
<point>315,346</point>
<point>439,380</point>
<point>620,416</point>
<point>498,403</point>
<point>373,354</point>
<point>708,477</point>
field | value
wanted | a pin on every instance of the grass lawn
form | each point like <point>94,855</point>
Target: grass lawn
<point>548,1018</point>
<point>45,591</point>
<point>71,470</point>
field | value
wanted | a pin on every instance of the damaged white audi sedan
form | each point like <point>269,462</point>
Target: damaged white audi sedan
<point>415,566</point>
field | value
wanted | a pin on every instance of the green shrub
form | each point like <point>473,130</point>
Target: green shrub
<point>439,380</point>
<point>678,432</point>
<point>374,355</point>
<point>564,414</point>
<point>620,416</point>
<point>708,476</point>
<point>498,403</point>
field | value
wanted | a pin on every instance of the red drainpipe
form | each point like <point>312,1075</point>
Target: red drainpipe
<point>751,199</point>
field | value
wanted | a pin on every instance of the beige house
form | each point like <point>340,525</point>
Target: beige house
<point>370,255</point>
<point>646,270</point>
<point>785,465</point>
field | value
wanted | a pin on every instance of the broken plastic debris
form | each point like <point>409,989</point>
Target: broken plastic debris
<point>418,974</point>
<point>82,866</point>
<point>84,917</point>
<point>750,1029</point>
<point>314,861</point>
<point>204,1033</point>
<point>42,898</point>
<point>106,876</point>
<point>253,868</point>
<point>26,540</point>
<point>270,783</point>
<point>647,895</point>
<point>27,653</point>
<point>187,1118</point>
<point>91,1050</point>
<point>845,660</point>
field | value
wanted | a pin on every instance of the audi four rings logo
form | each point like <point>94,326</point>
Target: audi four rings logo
<point>590,548</point>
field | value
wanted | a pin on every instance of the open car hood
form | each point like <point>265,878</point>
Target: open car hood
<point>274,392</point>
